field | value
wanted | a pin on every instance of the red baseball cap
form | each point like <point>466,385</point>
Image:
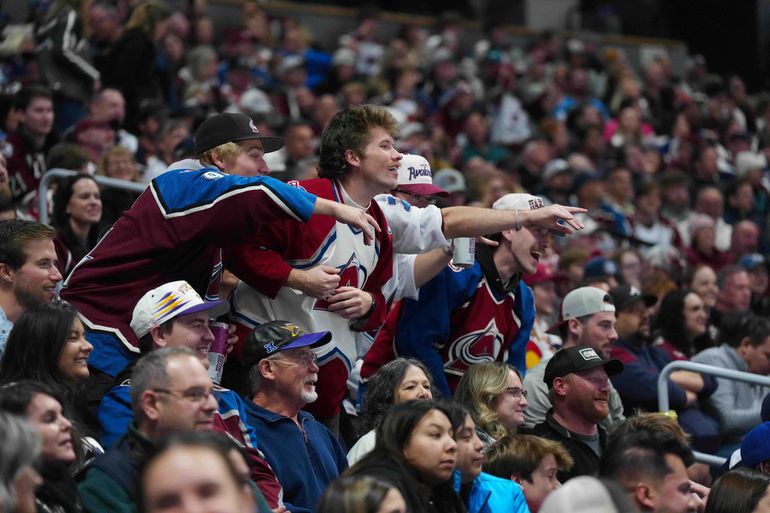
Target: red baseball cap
<point>543,274</point>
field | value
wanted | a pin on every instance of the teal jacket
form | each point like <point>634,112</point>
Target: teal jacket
<point>491,494</point>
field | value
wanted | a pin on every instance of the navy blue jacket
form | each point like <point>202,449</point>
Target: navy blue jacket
<point>305,461</point>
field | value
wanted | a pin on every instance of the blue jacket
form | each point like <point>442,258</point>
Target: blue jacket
<point>464,316</point>
<point>638,383</point>
<point>492,494</point>
<point>305,461</point>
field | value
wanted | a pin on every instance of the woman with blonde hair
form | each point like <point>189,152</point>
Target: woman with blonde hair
<point>494,394</point>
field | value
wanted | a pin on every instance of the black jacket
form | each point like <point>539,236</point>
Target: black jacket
<point>384,466</point>
<point>586,460</point>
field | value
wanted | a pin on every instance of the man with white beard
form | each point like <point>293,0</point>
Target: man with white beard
<point>305,456</point>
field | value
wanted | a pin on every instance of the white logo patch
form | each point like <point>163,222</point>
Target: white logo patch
<point>212,175</point>
<point>589,354</point>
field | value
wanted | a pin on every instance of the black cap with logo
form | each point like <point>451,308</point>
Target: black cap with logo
<point>231,127</point>
<point>626,295</point>
<point>577,359</point>
<point>274,336</point>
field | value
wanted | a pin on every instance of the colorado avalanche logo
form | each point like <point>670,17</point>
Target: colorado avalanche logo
<point>483,345</point>
<point>352,274</point>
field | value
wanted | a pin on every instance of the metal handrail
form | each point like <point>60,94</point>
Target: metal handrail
<point>663,404</point>
<point>58,172</point>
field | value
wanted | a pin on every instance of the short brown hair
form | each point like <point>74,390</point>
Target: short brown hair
<point>15,234</point>
<point>349,130</point>
<point>521,454</point>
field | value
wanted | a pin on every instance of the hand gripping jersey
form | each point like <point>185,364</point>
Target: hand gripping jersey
<point>264,266</point>
<point>462,317</point>
<point>174,231</point>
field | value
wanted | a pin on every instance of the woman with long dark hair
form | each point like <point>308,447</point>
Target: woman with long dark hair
<point>403,379</point>
<point>682,318</point>
<point>62,450</point>
<point>741,490</point>
<point>47,344</point>
<point>77,213</point>
<point>416,452</point>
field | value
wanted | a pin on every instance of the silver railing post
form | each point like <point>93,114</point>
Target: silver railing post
<point>663,404</point>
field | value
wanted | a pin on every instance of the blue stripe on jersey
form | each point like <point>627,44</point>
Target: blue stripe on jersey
<point>317,256</point>
<point>183,191</point>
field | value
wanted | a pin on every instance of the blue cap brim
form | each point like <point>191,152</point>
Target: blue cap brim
<point>309,339</point>
<point>216,308</point>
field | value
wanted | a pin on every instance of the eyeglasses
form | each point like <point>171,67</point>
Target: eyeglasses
<point>418,198</point>
<point>304,359</point>
<point>516,393</point>
<point>194,394</point>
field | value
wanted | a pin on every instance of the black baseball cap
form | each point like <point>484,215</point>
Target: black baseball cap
<point>231,127</point>
<point>274,336</point>
<point>625,295</point>
<point>577,359</point>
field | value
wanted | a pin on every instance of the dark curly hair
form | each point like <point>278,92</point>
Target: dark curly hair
<point>381,390</point>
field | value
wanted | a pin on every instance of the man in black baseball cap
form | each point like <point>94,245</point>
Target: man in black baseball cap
<point>233,143</point>
<point>633,312</point>
<point>275,336</point>
<point>579,386</point>
<point>283,373</point>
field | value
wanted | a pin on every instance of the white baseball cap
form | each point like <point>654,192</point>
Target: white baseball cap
<point>745,161</point>
<point>451,180</point>
<point>414,176</point>
<point>581,302</point>
<point>171,300</point>
<point>518,201</point>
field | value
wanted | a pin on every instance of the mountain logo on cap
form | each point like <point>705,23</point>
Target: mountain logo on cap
<point>535,203</point>
<point>253,126</point>
<point>589,354</point>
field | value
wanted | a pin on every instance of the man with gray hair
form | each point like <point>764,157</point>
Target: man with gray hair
<point>305,456</point>
<point>170,392</point>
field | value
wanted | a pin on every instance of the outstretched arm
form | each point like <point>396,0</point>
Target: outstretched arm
<point>473,221</point>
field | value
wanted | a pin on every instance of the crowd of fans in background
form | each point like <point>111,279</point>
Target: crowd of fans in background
<point>671,166</point>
